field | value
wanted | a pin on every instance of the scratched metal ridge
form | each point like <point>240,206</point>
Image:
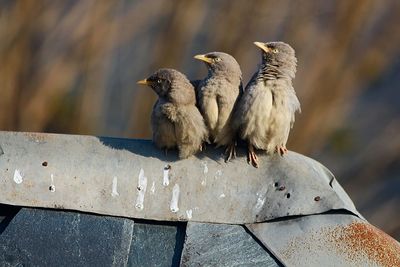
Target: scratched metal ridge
<point>131,178</point>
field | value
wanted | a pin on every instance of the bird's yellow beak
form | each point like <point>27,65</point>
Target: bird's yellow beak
<point>203,58</point>
<point>263,46</point>
<point>144,82</point>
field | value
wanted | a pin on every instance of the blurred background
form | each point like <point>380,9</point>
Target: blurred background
<point>72,67</point>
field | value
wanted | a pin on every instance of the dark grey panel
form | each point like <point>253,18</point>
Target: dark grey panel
<point>223,245</point>
<point>157,244</point>
<point>36,237</point>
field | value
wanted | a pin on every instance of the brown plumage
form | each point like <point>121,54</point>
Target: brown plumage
<point>265,113</point>
<point>217,95</point>
<point>175,120</point>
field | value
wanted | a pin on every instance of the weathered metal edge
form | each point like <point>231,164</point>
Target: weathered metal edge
<point>131,178</point>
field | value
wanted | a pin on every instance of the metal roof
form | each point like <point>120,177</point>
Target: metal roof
<point>133,179</point>
<point>328,240</point>
<point>291,211</point>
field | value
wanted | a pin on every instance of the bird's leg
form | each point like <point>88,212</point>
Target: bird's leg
<point>251,156</point>
<point>282,150</point>
<point>230,151</point>
<point>166,151</point>
<point>203,147</point>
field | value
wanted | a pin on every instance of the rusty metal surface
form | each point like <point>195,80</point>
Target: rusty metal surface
<point>328,240</point>
<point>131,178</point>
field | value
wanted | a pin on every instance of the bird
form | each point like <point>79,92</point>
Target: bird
<point>175,120</point>
<point>217,95</point>
<point>266,111</point>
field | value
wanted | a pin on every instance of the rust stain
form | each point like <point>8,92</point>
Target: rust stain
<point>356,243</point>
<point>377,245</point>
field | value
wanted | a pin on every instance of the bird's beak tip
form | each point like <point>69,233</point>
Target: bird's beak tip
<point>262,46</point>
<point>143,82</point>
<point>202,58</point>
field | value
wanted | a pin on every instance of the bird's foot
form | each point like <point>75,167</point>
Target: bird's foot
<point>230,152</point>
<point>282,150</point>
<point>252,157</point>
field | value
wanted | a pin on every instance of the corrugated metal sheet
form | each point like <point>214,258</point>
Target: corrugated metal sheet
<point>328,240</point>
<point>133,179</point>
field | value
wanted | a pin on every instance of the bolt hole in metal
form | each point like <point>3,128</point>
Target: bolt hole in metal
<point>44,163</point>
<point>317,198</point>
<point>276,184</point>
<point>288,195</point>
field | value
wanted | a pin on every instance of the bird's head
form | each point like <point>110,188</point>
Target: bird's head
<point>218,62</point>
<point>279,54</point>
<point>171,85</point>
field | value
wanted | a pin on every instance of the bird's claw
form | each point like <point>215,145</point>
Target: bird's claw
<point>230,152</point>
<point>282,150</point>
<point>252,157</point>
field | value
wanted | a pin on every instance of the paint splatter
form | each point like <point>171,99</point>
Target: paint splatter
<point>18,177</point>
<point>189,214</point>
<point>114,191</point>
<point>218,174</point>
<point>141,188</point>
<point>153,188</point>
<point>222,195</point>
<point>166,175</point>
<point>52,187</point>
<point>175,199</point>
<point>205,167</point>
<point>260,201</point>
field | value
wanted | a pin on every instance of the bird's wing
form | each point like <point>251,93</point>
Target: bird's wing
<point>162,127</point>
<point>294,105</point>
<point>227,103</point>
<point>254,113</point>
<point>241,103</point>
<point>170,111</point>
<point>210,111</point>
<point>190,130</point>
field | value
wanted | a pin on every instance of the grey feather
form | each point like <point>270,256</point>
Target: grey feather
<point>266,112</point>
<point>217,95</point>
<point>175,120</point>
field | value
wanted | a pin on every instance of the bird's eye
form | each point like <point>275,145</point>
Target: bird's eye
<point>217,59</point>
<point>275,50</point>
<point>159,81</point>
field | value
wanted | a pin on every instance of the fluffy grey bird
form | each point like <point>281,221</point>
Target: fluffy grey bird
<point>217,95</point>
<point>266,111</point>
<point>175,120</point>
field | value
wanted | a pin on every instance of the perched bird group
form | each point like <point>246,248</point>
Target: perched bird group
<point>217,109</point>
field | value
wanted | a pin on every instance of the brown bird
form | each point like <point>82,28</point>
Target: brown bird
<point>266,111</point>
<point>175,120</point>
<point>217,95</point>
